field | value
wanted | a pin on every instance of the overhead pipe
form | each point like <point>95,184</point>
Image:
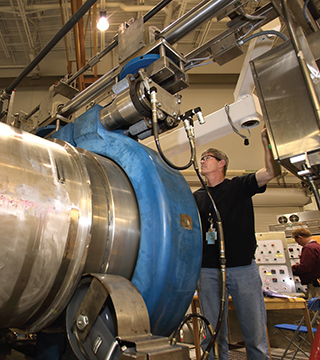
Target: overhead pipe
<point>30,9</point>
<point>99,85</point>
<point>88,94</point>
<point>60,34</point>
<point>267,12</point>
<point>96,58</point>
<point>155,10</point>
<point>187,14</point>
<point>195,17</point>
<point>12,66</point>
<point>192,19</point>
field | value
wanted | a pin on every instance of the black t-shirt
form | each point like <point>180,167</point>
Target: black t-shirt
<point>234,203</point>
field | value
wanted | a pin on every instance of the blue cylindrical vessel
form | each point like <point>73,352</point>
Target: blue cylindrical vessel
<point>169,257</point>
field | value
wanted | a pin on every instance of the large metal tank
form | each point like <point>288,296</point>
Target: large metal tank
<point>63,211</point>
<point>113,208</point>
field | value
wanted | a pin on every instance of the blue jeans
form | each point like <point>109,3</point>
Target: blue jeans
<point>244,286</point>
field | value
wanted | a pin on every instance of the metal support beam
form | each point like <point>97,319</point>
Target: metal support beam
<point>69,25</point>
<point>78,32</point>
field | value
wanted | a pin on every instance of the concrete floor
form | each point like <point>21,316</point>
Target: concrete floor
<point>240,354</point>
<point>237,350</point>
<point>10,354</point>
<point>236,353</point>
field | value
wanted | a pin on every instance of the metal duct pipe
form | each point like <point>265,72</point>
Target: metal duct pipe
<point>192,19</point>
<point>74,212</point>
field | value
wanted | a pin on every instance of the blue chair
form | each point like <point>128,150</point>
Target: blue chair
<point>300,331</point>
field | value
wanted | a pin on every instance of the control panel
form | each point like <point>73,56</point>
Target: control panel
<point>294,251</point>
<point>277,278</point>
<point>274,262</point>
<point>270,252</point>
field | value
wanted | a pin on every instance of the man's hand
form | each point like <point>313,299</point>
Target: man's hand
<point>264,137</point>
<point>271,169</point>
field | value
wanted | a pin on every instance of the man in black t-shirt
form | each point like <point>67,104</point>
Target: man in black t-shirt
<point>243,283</point>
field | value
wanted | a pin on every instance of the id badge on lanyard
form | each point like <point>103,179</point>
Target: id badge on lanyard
<point>211,234</point>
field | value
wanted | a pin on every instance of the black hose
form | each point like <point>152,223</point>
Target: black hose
<point>223,289</point>
<point>60,34</point>
<point>222,265</point>
<point>306,16</point>
<point>314,11</point>
<point>267,32</point>
<point>185,319</point>
<point>156,137</point>
<point>164,158</point>
<point>193,161</point>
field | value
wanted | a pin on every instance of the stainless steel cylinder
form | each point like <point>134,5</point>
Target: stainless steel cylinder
<point>63,211</point>
<point>121,111</point>
<point>194,18</point>
<point>129,107</point>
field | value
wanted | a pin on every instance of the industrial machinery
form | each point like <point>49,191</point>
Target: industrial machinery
<point>100,230</point>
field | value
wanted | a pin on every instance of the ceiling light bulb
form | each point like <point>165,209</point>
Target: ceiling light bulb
<point>103,23</point>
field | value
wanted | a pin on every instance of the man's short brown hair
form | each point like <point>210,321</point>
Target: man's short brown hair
<point>305,233</point>
<point>218,154</point>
